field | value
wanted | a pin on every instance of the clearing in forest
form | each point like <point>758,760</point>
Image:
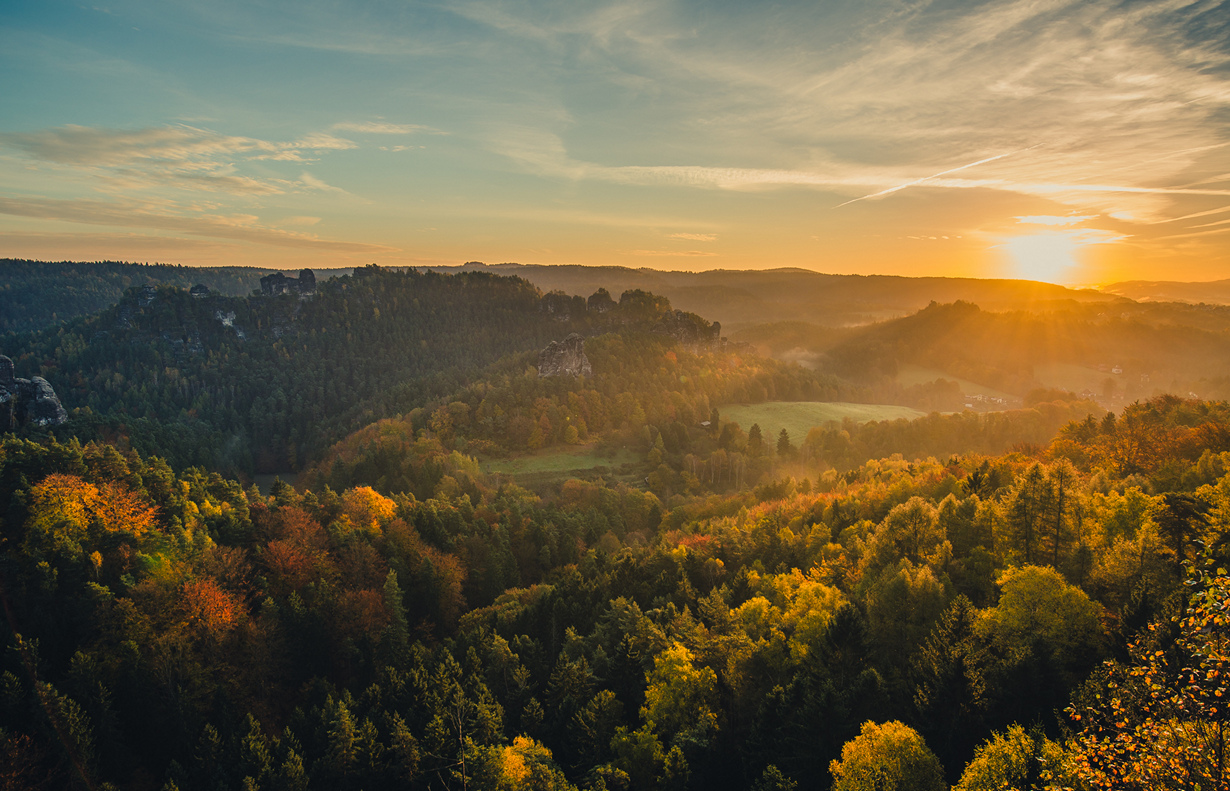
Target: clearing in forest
<point>798,417</point>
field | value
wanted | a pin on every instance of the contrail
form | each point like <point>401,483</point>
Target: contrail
<point>899,187</point>
<point>1193,216</point>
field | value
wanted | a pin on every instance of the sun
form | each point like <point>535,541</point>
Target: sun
<point>1048,257</point>
<point>1051,255</point>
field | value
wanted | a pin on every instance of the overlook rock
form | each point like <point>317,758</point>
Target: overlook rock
<point>278,283</point>
<point>690,330</point>
<point>564,358</point>
<point>27,400</point>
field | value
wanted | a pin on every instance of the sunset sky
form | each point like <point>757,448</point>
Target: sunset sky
<point>1075,141</point>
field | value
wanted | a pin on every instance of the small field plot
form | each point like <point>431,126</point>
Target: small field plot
<point>558,463</point>
<point>798,417</point>
<point>1075,377</point>
<point>917,375</point>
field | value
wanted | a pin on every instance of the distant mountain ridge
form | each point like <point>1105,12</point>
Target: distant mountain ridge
<point>1213,292</point>
<point>740,298</point>
<point>37,294</point>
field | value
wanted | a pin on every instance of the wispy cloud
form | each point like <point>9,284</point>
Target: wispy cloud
<point>695,237</point>
<point>385,128</point>
<point>675,253</point>
<point>1046,219</point>
<point>85,145</point>
<point>179,156</point>
<point>239,227</point>
<point>1109,106</point>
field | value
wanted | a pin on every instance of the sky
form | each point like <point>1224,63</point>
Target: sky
<point>1074,141</point>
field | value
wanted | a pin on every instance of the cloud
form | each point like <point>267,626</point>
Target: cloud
<point>1110,106</point>
<point>87,246</point>
<point>85,145</point>
<point>695,237</point>
<point>239,227</point>
<point>311,182</point>
<point>1046,219</point>
<point>178,156</point>
<point>675,253</point>
<point>385,128</point>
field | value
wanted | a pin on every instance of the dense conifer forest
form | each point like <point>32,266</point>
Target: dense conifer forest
<point>39,294</point>
<point>1024,599</point>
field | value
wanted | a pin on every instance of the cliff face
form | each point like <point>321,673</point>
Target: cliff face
<point>691,330</point>
<point>25,401</point>
<point>564,358</point>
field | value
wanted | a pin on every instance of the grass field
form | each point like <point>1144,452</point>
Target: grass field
<point>916,375</point>
<point>798,417</point>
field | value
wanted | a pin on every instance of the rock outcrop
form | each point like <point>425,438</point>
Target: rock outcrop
<point>25,401</point>
<point>278,283</point>
<point>600,301</point>
<point>691,330</point>
<point>564,358</point>
<point>561,306</point>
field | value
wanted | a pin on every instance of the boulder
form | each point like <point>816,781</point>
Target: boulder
<point>25,401</point>
<point>564,358</point>
<point>42,405</point>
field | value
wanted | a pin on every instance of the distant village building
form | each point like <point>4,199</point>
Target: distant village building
<point>278,283</point>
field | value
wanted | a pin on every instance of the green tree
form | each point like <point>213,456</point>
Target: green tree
<point>950,682</point>
<point>785,449</point>
<point>1014,760</point>
<point>1028,506</point>
<point>755,441</point>
<point>887,757</point>
<point>680,698</point>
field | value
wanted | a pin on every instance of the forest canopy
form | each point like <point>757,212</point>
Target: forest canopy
<point>1023,599</point>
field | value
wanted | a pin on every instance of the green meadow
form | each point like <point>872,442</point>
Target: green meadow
<point>798,417</point>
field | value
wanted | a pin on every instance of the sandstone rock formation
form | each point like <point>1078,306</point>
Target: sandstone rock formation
<point>690,330</point>
<point>278,283</point>
<point>25,401</point>
<point>564,358</point>
<point>600,301</point>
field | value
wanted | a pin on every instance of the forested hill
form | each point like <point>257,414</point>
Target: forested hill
<point>1155,347</point>
<point>742,298</point>
<point>37,294</point>
<point>262,383</point>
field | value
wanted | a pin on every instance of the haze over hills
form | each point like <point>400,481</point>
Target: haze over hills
<point>738,298</point>
<point>1214,292</point>
<point>35,294</point>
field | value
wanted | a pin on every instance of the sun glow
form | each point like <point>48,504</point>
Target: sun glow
<point>1053,256</point>
<point>1044,256</point>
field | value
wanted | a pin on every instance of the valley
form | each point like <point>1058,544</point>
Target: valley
<point>364,529</point>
